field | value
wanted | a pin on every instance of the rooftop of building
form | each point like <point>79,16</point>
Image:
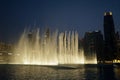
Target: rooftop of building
<point>107,13</point>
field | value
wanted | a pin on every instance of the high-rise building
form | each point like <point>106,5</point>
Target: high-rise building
<point>93,44</point>
<point>118,45</point>
<point>109,36</point>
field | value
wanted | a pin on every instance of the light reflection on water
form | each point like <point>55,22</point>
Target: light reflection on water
<point>84,72</point>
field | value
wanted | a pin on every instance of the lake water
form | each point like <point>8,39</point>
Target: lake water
<point>82,72</point>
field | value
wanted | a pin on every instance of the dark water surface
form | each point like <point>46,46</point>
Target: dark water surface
<point>83,72</point>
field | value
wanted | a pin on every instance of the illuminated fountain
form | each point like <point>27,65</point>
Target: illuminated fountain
<point>50,49</point>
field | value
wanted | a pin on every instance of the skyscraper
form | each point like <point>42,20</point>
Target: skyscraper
<point>93,44</point>
<point>109,36</point>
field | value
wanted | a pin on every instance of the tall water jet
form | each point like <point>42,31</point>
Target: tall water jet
<point>50,48</point>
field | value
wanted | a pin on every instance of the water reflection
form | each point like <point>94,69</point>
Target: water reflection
<point>84,72</point>
<point>117,73</point>
<point>106,72</point>
<point>91,72</point>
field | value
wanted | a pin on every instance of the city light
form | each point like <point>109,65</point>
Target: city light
<point>116,61</point>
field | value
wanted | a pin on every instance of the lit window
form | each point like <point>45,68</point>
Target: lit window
<point>105,14</point>
<point>110,13</point>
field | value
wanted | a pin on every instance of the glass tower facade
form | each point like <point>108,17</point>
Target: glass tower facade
<point>109,36</point>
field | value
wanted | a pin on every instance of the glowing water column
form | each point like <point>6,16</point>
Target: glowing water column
<point>68,48</point>
<point>49,49</point>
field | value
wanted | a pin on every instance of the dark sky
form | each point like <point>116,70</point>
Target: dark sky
<point>80,15</point>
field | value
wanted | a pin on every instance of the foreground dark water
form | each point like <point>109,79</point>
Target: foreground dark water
<point>82,72</point>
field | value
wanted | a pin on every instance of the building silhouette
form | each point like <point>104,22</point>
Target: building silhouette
<point>118,45</point>
<point>93,44</point>
<point>109,36</point>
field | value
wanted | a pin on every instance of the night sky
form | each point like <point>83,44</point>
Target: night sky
<point>80,15</point>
